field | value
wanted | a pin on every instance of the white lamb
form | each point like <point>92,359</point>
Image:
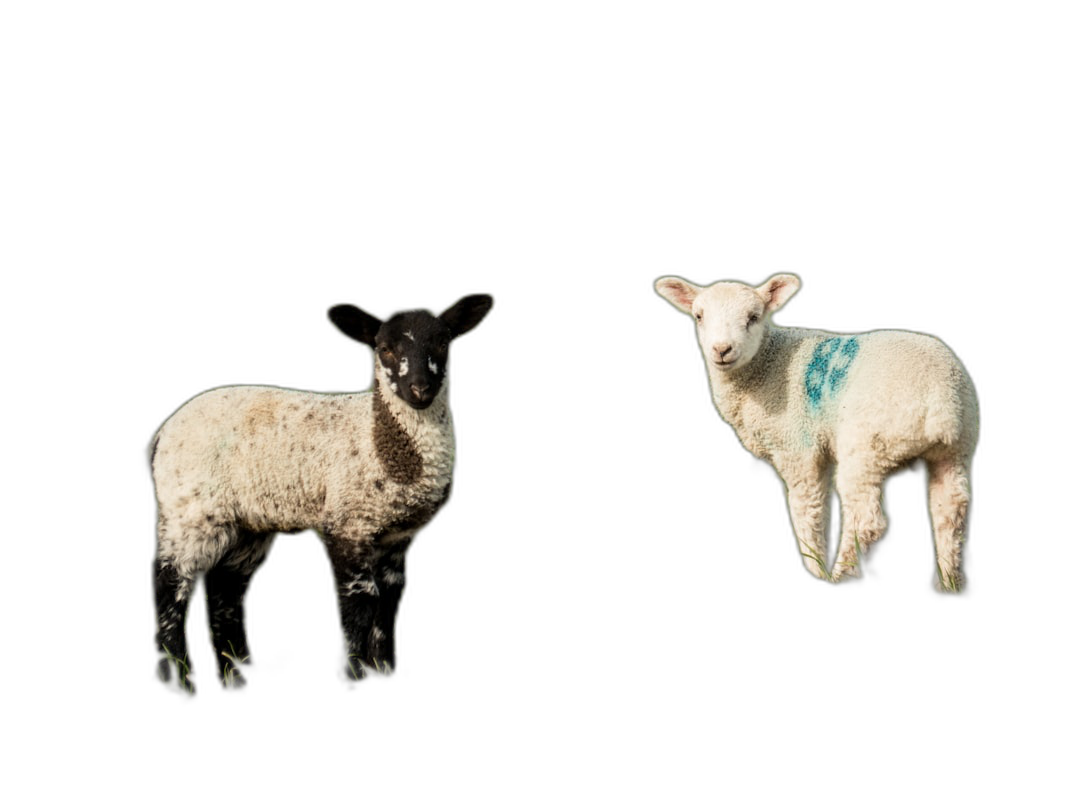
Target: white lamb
<point>809,400</point>
<point>367,470</point>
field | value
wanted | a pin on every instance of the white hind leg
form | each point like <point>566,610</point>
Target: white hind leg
<point>950,492</point>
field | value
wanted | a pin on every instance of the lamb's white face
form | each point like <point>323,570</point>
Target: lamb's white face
<point>730,324</point>
<point>730,316</point>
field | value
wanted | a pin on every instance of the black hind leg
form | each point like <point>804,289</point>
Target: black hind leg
<point>226,584</point>
<point>171,594</point>
<point>225,589</point>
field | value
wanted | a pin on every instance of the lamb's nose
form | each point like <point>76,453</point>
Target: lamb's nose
<point>721,351</point>
<point>419,390</point>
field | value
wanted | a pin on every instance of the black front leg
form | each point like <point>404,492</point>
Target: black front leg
<point>358,600</point>
<point>390,579</point>
<point>369,583</point>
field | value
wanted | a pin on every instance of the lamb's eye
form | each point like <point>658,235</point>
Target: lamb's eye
<point>699,316</point>
<point>751,320</point>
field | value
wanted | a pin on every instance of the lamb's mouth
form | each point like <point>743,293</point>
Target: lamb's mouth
<point>723,364</point>
<point>421,402</point>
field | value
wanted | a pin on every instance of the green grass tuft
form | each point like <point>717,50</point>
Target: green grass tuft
<point>821,564</point>
<point>950,582</point>
<point>231,672</point>
<point>177,674</point>
<point>355,671</point>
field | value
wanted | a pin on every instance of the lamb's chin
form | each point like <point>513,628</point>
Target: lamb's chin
<point>725,366</point>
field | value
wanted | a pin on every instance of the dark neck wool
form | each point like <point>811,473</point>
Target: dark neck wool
<point>395,448</point>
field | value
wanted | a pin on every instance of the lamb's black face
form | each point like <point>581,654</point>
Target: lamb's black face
<point>412,348</point>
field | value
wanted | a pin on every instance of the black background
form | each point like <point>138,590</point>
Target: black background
<point>615,569</point>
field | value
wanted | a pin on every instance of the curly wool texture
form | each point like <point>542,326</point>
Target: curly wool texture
<point>351,466</point>
<point>809,401</point>
<point>904,394</point>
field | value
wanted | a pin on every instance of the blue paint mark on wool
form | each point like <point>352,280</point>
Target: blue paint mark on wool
<point>828,368</point>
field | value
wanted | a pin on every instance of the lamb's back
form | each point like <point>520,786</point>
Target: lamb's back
<point>270,458</point>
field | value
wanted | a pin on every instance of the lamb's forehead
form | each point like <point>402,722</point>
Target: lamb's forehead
<point>413,326</point>
<point>724,296</point>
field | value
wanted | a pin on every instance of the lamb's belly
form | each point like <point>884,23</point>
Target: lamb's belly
<point>288,499</point>
<point>887,446</point>
<point>279,514</point>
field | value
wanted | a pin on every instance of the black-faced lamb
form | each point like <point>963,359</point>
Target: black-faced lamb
<point>366,470</point>
<point>810,401</point>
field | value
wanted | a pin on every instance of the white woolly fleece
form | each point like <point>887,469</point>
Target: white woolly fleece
<point>808,400</point>
<point>272,459</point>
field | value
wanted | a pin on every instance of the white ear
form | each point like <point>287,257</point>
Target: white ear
<point>678,291</point>
<point>777,290</point>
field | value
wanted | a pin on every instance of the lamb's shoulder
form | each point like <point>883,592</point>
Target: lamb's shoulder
<point>766,401</point>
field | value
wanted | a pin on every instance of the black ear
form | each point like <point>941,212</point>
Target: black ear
<point>466,314</point>
<point>355,323</point>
